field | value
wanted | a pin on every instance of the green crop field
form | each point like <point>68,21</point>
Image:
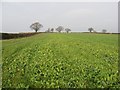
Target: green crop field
<point>53,60</point>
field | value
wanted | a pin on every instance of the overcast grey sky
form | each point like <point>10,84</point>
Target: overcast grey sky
<point>78,16</point>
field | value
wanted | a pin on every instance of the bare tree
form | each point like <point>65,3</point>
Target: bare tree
<point>59,29</point>
<point>48,30</point>
<point>90,29</point>
<point>36,26</point>
<point>67,30</point>
<point>52,29</point>
<point>104,31</point>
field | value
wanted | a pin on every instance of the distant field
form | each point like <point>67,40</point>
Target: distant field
<point>74,60</point>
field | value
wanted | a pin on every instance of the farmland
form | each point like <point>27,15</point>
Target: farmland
<point>53,60</point>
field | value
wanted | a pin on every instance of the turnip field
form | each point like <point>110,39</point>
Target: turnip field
<point>61,60</point>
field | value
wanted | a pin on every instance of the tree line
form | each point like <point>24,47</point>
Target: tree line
<point>36,26</point>
<point>92,30</point>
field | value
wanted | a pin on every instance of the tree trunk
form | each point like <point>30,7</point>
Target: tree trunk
<point>36,31</point>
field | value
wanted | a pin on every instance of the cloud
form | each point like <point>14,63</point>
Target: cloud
<point>18,16</point>
<point>60,0</point>
<point>78,13</point>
